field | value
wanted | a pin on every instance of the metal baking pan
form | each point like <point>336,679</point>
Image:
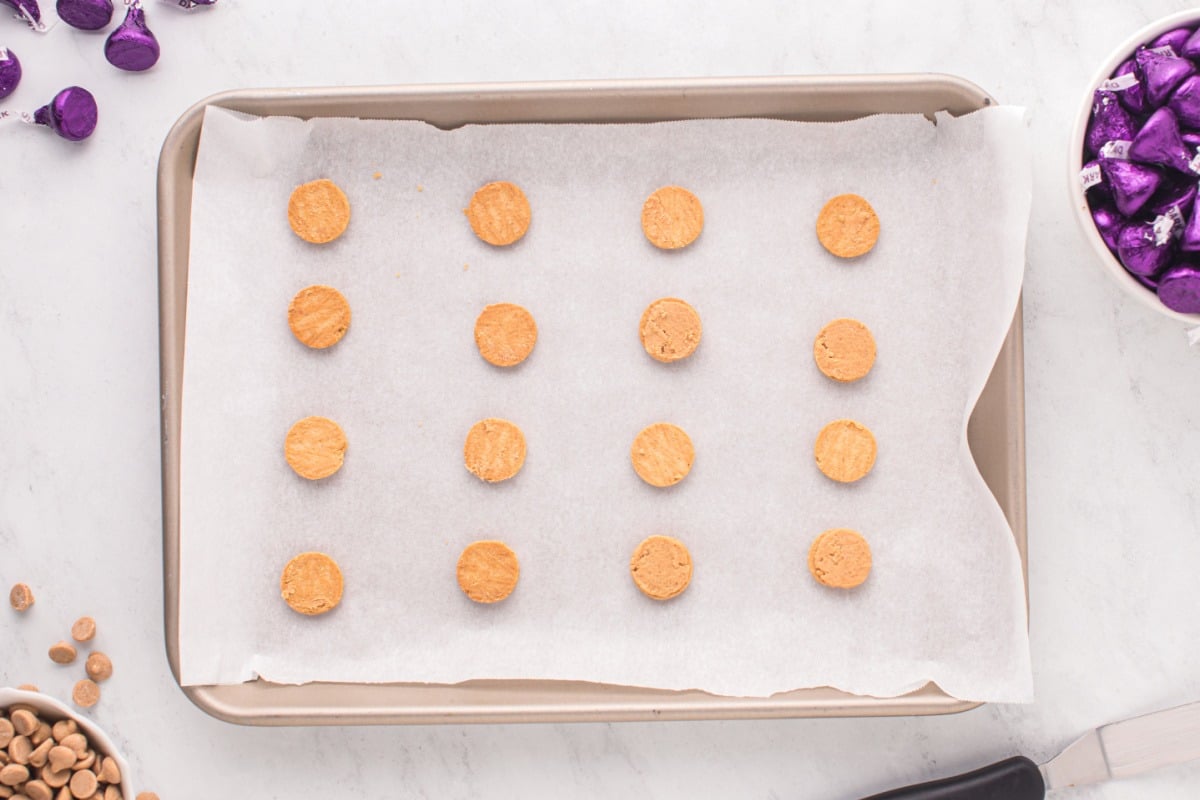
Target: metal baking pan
<point>996,431</point>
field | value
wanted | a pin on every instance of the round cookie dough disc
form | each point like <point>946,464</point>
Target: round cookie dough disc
<point>672,217</point>
<point>318,211</point>
<point>844,350</point>
<point>494,450</point>
<point>845,450</point>
<point>670,330</point>
<point>488,571</point>
<point>661,567</point>
<point>315,448</point>
<point>847,226</point>
<point>840,558</point>
<point>499,213</point>
<point>662,454</point>
<point>505,334</point>
<point>319,316</point>
<point>311,584</point>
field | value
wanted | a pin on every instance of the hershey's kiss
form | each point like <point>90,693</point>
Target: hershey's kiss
<point>1161,74</point>
<point>10,72</point>
<point>87,15</point>
<point>1142,250</point>
<point>132,46</point>
<point>1133,98</point>
<point>1110,121</point>
<point>27,10</point>
<point>1174,39</point>
<point>1131,184</point>
<point>1179,289</point>
<point>1159,142</point>
<point>1108,222</point>
<point>1185,102</point>
<point>1178,194</point>
<point>1191,48</point>
<point>71,114</point>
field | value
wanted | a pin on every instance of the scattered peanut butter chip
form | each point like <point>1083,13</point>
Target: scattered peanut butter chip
<point>98,666</point>
<point>662,454</point>
<point>845,450</point>
<point>146,796</point>
<point>499,213</point>
<point>24,722</point>
<point>86,694</point>
<point>62,653</point>
<point>670,329</point>
<point>318,211</point>
<point>505,334</point>
<point>840,558</point>
<point>488,571</point>
<point>315,448</point>
<point>494,450</point>
<point>661,566</point>
<point>20,597</point>
<point>847,226</point>
<point>672,217</point>
<point>319,316</point>
<point>84,784</point>
<point>377,175</point>
<point>844,350</point>
<point>29,687</point>
<point>84,629</point>
<point>311,584</point>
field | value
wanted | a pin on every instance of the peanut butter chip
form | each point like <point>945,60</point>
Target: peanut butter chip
<point>845,450</point>
<point>499,213</point>
<point>672,217</point>
<point>62,653</point>
<point>494,450</point>
<point>20,749</point>
<point>109,771</point>
<point>89,758</point>
<point>844,350</point>
<point>662,454</point>
<point>28,687</point>
<point>77,742</point>
<point>315,448</point>
<point>840,558</point>
<point>670,330</point>
<point>111,792</point>
<point>6,732</point>
<point>83,784</point>
<point>311,584</point>
<point>86,694</point>
<point>64,728</point>
<point>57,780</point>
<point>38,790</point>
<point>318,211</point>
<point>146,796</point>
<point>38,757</point>
<point>319,316</point>
<point>20,597</point>
<point>24,722</point>
<point>488,571</point>
<point>505,334</point>
<point>60,758</point>
<point>84,629</point>
<point>661,567</point>
<point>14,774</point>
<point>98,666</point>
<point>847,226</point>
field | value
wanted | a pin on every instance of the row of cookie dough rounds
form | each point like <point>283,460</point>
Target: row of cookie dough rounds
<point>488,570</point>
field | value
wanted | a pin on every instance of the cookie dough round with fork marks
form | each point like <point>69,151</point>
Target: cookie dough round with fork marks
<point>311,584</point>
<point>661,567</point>
<point>318,211</point>
<point>847,226</point>
<point>672,218</point>
<point>499,213</point>
<point>488,571</point>
<point>845,450</point>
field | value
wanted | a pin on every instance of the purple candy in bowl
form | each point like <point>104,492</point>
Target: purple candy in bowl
<point>1135,166</point>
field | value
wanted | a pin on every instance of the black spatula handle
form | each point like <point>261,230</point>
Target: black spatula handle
<point>1015,778</point>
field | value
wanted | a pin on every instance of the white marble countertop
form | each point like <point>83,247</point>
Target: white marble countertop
<point>1113,426</point>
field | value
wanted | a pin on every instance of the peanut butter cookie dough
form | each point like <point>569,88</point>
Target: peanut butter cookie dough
<point>311,584</point>
<point>488,571</point>
<point>845,450</point>
<point>670,330</point>
<point>662,454</point>
<point>318,211</point>
<point>840,558</point>
<point>847,226</point>
<point>315,448</point>
<point>844,350</point>
<point>494,450</point>
<point>661,567</point>
<point>499,213</point>
<point>672,217</point>
<point>505,334</point>
<point>319,316</point>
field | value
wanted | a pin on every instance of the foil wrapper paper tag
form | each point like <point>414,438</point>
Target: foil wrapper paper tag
<point>1090,176</point>
<point>1120,83</point>
<point>1118,149</point>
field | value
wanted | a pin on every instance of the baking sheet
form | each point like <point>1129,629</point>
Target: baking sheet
<point>945,600</point>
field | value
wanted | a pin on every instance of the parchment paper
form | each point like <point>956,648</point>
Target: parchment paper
<point>944,601</point>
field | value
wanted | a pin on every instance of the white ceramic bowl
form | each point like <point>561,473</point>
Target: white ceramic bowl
<point>1075,162</point>
<point>52,710</point>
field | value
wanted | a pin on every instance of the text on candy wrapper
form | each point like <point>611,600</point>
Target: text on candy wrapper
<point>1117,148</point>
<point>1120,83</point>
<point>19,116</point>
<point>1089,176</point>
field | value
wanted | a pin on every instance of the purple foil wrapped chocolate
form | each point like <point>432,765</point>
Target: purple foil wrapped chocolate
<point>1191,48</point>
<point>1179,289</point>
<point>1132,185</point>
<point>1174,39</point>
<point>1142,249</point>
<point>1110,122</point>
<point>1108,222</point>
<point>72,114</point>
<point>86,15</point>
<point>1185,102</point>
<point>27,10</point>
<point>1160,74</point>
<point>1189,241</point>
<point>1175,197</point>
<point>1159,142</point>
<point>10,72</point>
<point>132,46</point>
<point>1133,98</point>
